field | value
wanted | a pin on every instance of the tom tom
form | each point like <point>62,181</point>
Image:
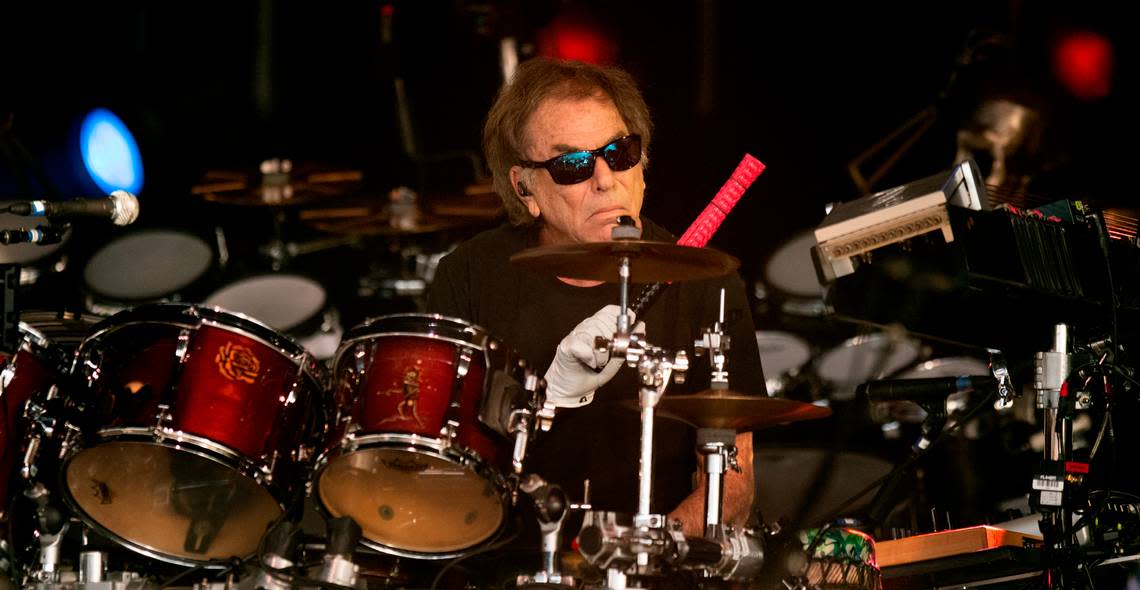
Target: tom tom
<point>782,354</point>
<point>294,304</point>
<point>143,266</point>
<point>863,357</point>
<point>198,426</point>
<point>415,458</point>
<point>29,373</point>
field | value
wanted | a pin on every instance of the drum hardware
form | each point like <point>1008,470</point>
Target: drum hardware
<point>420,460</point>
<point>337,567</point>
<point>717,343</point>
<point>552,506</point>
<point>278,182</point>
<point>276,556</point>
<point>174,464</point>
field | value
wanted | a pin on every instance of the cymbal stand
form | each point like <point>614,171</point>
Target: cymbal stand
<point>620,548</point>
<point>552,506</point>
<point>716,343</point>
<point>718,447</point>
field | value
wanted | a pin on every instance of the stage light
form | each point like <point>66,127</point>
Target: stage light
<point>1083,64</point>
<point>109,151</point>
<point>68,152</point>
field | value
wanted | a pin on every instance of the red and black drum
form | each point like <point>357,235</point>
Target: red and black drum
<point>198,425</point>
<point>414,458</point>
<point>25,375</point>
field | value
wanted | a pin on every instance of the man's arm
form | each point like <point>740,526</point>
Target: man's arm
<point>739,493</point>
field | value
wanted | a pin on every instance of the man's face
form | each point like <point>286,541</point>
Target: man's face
<point>586,211</point>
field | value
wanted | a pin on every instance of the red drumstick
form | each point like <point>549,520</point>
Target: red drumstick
<point>706,224</point>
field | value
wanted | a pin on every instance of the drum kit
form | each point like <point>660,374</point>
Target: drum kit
<point>195,436</point>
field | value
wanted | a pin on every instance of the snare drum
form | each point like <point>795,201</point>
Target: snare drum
<point>198,424</point>
<point>290,303</point>
<point>412,459</point>
<point>142,266</point>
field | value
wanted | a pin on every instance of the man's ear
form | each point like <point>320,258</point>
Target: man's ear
<point>523,192</point>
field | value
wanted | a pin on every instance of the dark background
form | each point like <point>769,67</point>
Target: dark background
<point>805,87</point>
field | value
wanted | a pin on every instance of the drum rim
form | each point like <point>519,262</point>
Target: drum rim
<point>178,443</point>
<point>481,339</point>
<point>193,316</point>
<point>437,448</point>
<point>873,338</point>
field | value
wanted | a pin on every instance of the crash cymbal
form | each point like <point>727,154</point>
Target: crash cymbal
<point>403,213</point>
<point>650,262</point>
<point>728,409</point>
<point>278,183</point>
<point>367,221</point>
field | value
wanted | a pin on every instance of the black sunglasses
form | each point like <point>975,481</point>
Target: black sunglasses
<point>574,167</point>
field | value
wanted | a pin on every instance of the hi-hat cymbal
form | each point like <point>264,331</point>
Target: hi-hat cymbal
<point>730,410</point>
<point>650,262</point>
<point>278,183</point>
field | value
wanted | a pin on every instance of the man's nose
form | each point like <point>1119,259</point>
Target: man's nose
<point>603,177</point>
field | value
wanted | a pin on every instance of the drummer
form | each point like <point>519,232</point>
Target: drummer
<point>568,144</point>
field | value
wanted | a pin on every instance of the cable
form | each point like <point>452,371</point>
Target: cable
<point>946,432</point>
<point>491,547</point>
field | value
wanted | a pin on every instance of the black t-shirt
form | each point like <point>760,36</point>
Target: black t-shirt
<point>532,312</point>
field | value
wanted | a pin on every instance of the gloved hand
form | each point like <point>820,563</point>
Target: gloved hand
<point>574,373</point>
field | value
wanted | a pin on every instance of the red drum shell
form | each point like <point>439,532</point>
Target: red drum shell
<point>414,492</point>
<point>198,423</point>
<point>30,372</point>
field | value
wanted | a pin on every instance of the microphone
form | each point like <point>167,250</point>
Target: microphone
<point>922,390</point>
<point>706,224</point>
<point>41,235</point>
<point>121,207</point>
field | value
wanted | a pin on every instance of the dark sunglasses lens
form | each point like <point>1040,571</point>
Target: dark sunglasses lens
<point>623,154</point>
<point>572,168</point>
<point>576,167</point>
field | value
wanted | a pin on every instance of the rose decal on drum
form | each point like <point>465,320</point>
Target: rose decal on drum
<point>237,363</point>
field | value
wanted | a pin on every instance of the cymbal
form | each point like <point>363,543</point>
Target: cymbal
<point>278,183</point>
<point>727,409</point>
<point>380,221</point>
<point>650,262</point>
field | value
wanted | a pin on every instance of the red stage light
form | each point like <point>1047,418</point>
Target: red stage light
<point>1083,64</point>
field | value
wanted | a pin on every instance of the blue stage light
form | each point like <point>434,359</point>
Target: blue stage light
<point>110,153</point>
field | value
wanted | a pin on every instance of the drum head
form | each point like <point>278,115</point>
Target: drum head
<point>410,502</point>
<point>293,304</point>
<point>147,265</point>
<point>169,503</point>
<point>868,356</point>
<point>791,270</point>
<point>282,302</point>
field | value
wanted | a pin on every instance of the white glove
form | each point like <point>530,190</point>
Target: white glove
<point>574,373</point>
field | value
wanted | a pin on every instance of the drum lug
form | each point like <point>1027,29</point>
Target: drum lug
<point>162,418</point>
<point>448,433</point>
<point>348,442</point>
<point>268,465</point>
<point>183,344</point>
<point>71,434</point>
